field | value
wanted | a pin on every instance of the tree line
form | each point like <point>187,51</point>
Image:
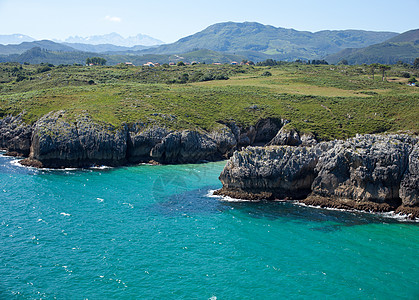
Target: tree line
<point>96,61</point>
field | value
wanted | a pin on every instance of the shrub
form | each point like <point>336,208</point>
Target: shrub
<point>43,69</point>
<point>20,77</point>
<point>221,77</point>
<point>184,78</point>
<point>266,74</point>
<point>412,80</point>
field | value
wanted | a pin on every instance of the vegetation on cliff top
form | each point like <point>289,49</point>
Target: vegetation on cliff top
<point>330,101</point>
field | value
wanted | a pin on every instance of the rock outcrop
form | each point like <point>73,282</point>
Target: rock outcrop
<point>15,135</point>
<point>142,140</point>
<point>365,168</point>
<point>369,172</point>
<point>409,188</point>
<point>184,147</point>
<point>58,143</point>
<point>271,172</point>
<point>286,136</point>
<point>59,140</point>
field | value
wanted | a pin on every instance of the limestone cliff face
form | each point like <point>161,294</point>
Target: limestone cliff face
<point>273,172</point>
<point>409,188</point>
<point>142,140</point>
<point>262,133</point>
<point>15,135</point>
<point>59,143</point>
<point>365,168</point>
<point>54,141</point>
<point>286,137</point>
<point>378,169</point>
<point>184,147</point>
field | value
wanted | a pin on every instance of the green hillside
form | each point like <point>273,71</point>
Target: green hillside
<point>25,46</point>
<point>404,47</point>
<point>38,55</point>
<point>280,43</point>
<point>332,102</point>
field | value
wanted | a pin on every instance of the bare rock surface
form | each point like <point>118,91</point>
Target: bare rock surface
<point>286,136</point>
<point>142,140</point>
<point>409,188</point>
<point>281,171</point>
<point>364,168</point>
<point>368,172</point>
<point>184,147</point>
<point>15,135</point>
<point>57,142</point>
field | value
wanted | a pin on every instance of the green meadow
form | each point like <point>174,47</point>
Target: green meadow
<point>330,101</point>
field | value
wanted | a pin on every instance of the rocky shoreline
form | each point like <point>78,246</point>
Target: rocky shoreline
<point>370,172</point>
<point>375,173</point>
<point>58,140</point>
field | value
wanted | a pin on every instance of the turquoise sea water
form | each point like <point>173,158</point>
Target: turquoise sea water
<point>152,232</point>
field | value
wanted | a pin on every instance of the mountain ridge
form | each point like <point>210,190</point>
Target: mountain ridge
<point>279,42</point>
<point>403,47</point>
<point>16,38</point>
<point>250,40</point>
<point>114,39</point>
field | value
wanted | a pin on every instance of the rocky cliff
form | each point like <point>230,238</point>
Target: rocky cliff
<point>58,140</point>
<point>15,135</point>
<point>369,172</point>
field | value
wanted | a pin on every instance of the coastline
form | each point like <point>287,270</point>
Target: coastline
<point>395,214</point>
<point>54,142</point>
<point>373,173</point>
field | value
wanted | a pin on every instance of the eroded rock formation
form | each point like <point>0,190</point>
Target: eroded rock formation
<point>15,135</point>
<point>59,140</point>
<point>369,172</point>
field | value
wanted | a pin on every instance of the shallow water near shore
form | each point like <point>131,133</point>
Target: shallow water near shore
<point>154,232</point>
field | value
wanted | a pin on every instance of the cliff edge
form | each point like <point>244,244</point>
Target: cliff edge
<point>59,140</point>
<point>368,172</point>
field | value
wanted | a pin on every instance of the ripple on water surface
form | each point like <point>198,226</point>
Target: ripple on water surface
<point>154,232</point>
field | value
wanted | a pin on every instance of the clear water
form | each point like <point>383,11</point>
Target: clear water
<point>152,232</point>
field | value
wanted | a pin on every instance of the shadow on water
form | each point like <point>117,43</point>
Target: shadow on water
<point>199,202</point>
<point>192,202</point>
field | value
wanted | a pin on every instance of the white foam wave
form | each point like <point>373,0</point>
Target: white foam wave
<point>15,163</point>
<point>227,198</point>
<point>129,204</point>
<point>101,167</point>
<point>65,214</point>
<point>390,215</point>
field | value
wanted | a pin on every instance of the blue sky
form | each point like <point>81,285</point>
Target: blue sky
<point>171,20</point>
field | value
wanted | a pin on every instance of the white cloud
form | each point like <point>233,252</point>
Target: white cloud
<point>113,19</point>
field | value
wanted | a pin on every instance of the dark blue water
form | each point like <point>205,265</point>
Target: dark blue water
<point>152,232</point>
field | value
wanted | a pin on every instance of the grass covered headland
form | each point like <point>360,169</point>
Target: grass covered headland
<point>329,101</point>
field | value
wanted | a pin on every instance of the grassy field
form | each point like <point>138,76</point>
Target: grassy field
<point>330,101</point>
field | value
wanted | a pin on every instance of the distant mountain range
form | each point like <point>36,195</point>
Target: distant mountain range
<point>111,38</point>
<point>105,48</point>
<point>44,44</point>
<point>403,47</point>
<point>227,42</point>
<point>283,44</point>
<point>114,39</point>
<point>17,38</point>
